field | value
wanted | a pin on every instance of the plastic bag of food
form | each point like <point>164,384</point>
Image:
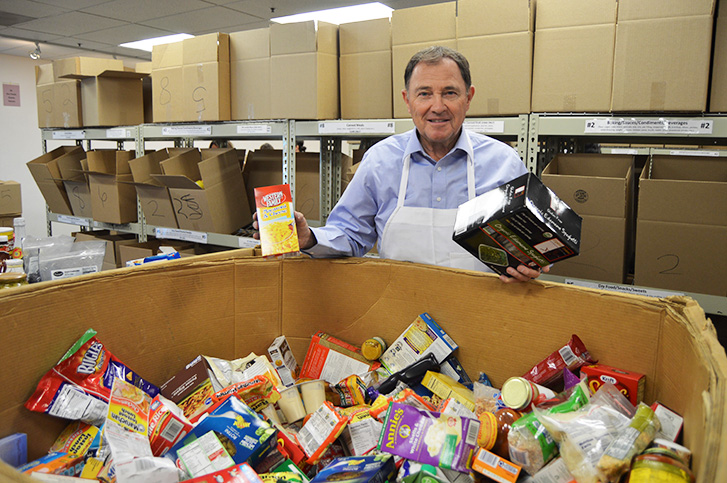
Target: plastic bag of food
<point>531,444</point>
<point>31,252</point>
<point>487,398</point>
<point>80,258</point>
<point>628,443</point>
<point>583,435</point>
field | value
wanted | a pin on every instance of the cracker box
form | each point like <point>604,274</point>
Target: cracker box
<point>191,388</point>
<point>520,222</point>
<point>631,384</point>
<point>358,469</point>
<point>283,360</point>
<point>422,337</point>
<point>429,437</point>
<point>275,217</point>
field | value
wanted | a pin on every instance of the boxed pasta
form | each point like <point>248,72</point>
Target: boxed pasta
<point>276,219</point>
<point>519,222</point>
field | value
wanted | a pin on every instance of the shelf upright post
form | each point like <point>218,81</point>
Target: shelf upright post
<point>330,179</point>
<point>44,148</point>
<point>522,138</point>
<point>532,145</point>
<point>289,156</point>
<point>140,151</point>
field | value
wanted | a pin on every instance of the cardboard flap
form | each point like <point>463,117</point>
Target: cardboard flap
<point>185,163</point>
<point>220,168</point>
<point>143,167</point>
<point>44,74</point>
<point>122,74</point>
<point>101,161</point>
<point>175,181</point>
<point>71,166</point>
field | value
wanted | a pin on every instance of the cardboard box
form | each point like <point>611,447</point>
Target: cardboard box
<point>79,192</point>
<point>46,171</point>
<point>488,17</point>
<point>310,51</point>
<point>365,69</point>
<point>506,89</point>
<point>679,233</point>
<point>573,55</point>
<point>250,94</point>
<point>601,187</point>
<point>59,102</point>
<point>166,55</point>
<point>166,87</point>
<point>669,340</point>
<point>214,47</point>
<point>81,67</point>
<point>649,32</point>
<point>718,92</point>
<point>427,23</point>
<point>11,202</point>
<point>520,222</point>
<point>113,98</point>
<point>113,198</point>
<point>156,204</point>
<point>265,168</point>
<point>219,207</point>
<point>206,92</point>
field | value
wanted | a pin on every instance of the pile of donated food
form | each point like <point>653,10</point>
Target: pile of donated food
<point>405,412</point>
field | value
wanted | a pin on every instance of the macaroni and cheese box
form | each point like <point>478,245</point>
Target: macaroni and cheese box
<point>519,222</point>
<point>422,337</point>
<point>429,437</point>
<point>276,220</point>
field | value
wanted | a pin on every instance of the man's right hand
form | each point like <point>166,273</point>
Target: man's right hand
<point>306,238</point>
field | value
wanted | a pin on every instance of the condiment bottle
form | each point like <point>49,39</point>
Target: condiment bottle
<point>373,348</point>
<point>12,280</point>
<point>659,465</point>
<point>505,417</point>
<point>517,393</point>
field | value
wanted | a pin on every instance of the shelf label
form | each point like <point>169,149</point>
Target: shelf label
<point>112,226</point>
<point>247,242</point>
<point>620,150</point>
<point>73,220</point>
<point>613,287</point>
<point>649,126</point>
<point>117,133</point>
<point>184,235</point>
<point>693,152</point>
<point>496,127</point>
<point>254,129</point>
<point>353,127</point>
<point>186,130</point>
<point>69,134</point>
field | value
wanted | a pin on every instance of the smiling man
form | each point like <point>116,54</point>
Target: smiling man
<point>405,194</point>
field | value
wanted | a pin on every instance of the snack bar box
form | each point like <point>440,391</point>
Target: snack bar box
<point>227,305</point>
<point>520,222</point>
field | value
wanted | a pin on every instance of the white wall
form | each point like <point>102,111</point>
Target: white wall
<point>20,141</point>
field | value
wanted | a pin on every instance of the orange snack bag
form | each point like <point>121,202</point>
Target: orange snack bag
<point>276,220</point>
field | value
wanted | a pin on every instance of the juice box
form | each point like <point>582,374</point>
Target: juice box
<point>276,220</point>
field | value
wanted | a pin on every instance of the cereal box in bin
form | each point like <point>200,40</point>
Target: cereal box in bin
<point>276,220</point>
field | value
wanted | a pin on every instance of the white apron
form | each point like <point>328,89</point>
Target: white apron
<point>424,235</point>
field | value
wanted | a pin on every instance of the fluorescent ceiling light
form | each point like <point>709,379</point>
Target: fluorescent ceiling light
<point>354,13</point>
<point>149,43</point>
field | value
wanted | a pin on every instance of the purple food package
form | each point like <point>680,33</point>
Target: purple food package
<point>569,379</point>
<point>429,437</point>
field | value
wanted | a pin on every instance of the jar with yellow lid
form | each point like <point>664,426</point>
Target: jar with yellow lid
<point>517,393</point>
<point>12,280</point>
<point>373,348</point>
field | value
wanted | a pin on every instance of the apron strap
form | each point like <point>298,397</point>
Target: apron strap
<point>404,181</point>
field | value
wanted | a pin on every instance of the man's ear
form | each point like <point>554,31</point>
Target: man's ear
<point>405,95</point>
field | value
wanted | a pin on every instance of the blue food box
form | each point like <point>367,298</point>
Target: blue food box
<point>245,435</point>
<point>358,469</point>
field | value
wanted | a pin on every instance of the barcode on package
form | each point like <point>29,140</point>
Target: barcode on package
<point>143,464</point>
<point>472,429</point>
<point>488,459</point>
<point>567,354</point>
<point>172,430</point>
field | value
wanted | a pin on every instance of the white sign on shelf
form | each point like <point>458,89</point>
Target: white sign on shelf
<point>73,220</point>
<point>489,127</point>
<point>356,127</point>
<point>112,226</point>
<point>117,133</point>
<point>693,152</point>
<point>69,134</point>
<point>247,242</point>
<point>184,235</point>
<point>648,126</point>
<point>254,129</point>
<point>614,287</point>
<point>621,150</point>
<point>186,130</point>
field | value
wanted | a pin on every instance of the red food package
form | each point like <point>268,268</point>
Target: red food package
<point>167,425</point>
<point>549,371</point>
<point>86,373</point>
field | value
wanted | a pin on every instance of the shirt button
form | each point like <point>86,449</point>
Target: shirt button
<point>439,168</point>
<point>439,198</point>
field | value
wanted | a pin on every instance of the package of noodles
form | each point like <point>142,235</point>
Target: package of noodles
<point>276,220</point>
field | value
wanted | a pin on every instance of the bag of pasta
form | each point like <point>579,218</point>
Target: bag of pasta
<point>583,435</point>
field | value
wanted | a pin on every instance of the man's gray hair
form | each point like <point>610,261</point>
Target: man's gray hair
<point>434,55</point>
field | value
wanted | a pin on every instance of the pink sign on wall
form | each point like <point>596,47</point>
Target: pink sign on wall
<point>11,95</point>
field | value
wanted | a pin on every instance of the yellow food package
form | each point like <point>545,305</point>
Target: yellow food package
<point>276,220</point>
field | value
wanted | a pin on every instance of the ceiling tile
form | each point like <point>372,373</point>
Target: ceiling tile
<point>29,8</point>
<point>205,20</point>
<point>139,10</point>
<point>72,23</point>
<point>72,4</point>
<point>28,34</point>
<point>85,44</point>
<point>126,33</point>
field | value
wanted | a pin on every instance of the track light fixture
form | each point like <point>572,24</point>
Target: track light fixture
<point>35,54</point>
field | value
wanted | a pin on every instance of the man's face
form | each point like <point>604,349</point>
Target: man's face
<point>438,101</point>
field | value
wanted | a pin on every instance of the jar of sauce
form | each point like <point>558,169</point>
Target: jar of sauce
<point>659,465</point>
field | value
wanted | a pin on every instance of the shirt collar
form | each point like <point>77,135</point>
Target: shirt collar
<point>415,146</point>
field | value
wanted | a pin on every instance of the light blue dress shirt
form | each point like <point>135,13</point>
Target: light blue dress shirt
<point>358,219</point>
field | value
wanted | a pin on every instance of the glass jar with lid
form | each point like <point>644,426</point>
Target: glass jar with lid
<point>12,280</point>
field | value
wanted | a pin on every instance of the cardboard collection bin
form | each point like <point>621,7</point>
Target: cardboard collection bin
<point>205,304</point>
<point>219,205</point>
<point>573,55</point>
<point>681,228</point>
<point>601,189</point>
<point>365,69</point>
<point>46,170</point>
<point>250,92</point>
<point>113,198</point>
<point>492,33</point>
<point>11,201</point>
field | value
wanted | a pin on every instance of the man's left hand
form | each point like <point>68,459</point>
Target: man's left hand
<point>522,274</point>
